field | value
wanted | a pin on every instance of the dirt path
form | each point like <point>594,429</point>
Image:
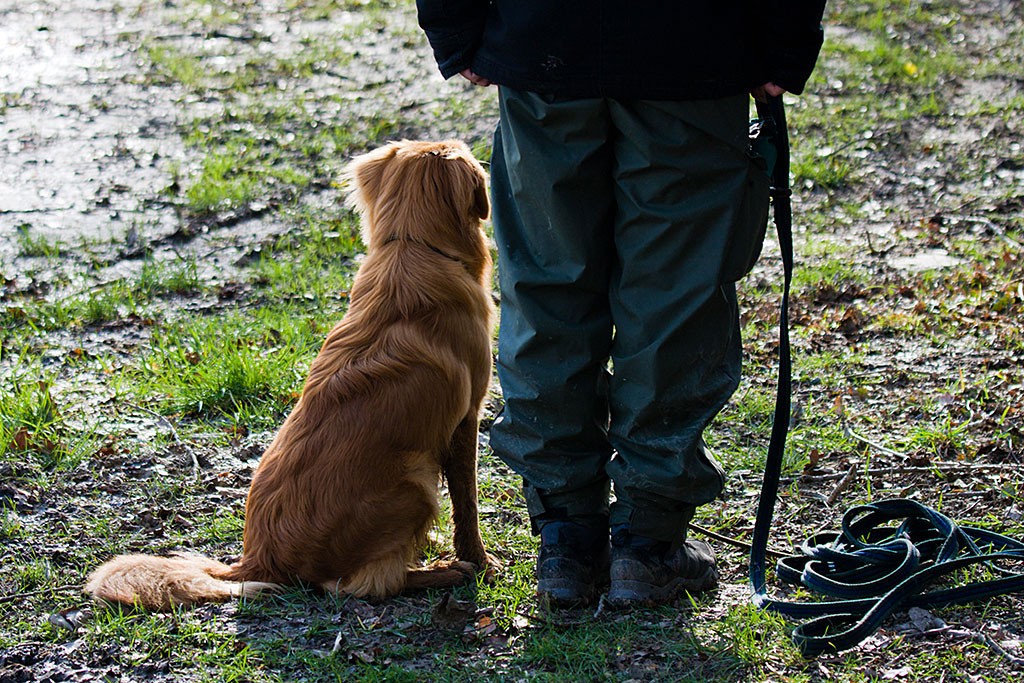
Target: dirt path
<point>85,144</point>
<point>90,142</point>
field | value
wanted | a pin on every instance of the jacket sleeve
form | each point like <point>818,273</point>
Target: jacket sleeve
<point>453,28</point>
<point>792,38</point>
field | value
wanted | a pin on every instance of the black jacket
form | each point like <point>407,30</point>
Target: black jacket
<point>648,49</point>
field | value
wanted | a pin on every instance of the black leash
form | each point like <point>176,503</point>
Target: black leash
<point>888,552</point>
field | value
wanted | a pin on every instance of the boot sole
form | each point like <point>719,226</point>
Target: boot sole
<point>563,593</point>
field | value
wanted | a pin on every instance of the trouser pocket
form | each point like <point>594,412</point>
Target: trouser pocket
<point>751,221</point>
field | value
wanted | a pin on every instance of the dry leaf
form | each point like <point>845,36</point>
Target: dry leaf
<point>24,440</point>
<point>891,674</point>
<point>813,458</point>
<point>924,620</point>
<point>452,614</point>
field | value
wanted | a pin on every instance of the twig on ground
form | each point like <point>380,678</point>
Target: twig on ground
<point>339,642</point>
<point>843,484</point>
<point>944,467</point>
<point>41,591</point>
<point>993,228</point>
<point>174,436</point>
<point>988,642</point>
<point>600,606</point>
<point>247,37</point>
<point>868,442</point>
<point>774,554</point>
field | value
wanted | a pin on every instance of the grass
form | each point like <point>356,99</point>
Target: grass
<point>159,278</point>
<point>37,246</point>
<point>222,184</point>
<point>33,430</point>
<point>231,368</point>
<point>273,146</point>
<point>314,265</point>
<point>104,438</point>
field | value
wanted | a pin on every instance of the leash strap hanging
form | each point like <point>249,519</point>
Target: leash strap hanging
<point>772,113</point>
<point>872,567</point>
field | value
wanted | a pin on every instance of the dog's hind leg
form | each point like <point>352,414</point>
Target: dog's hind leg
<point>385,578</point>
<point>382,577</point>
<point>440,574</point>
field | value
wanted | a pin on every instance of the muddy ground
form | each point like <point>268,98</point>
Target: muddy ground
<point>89,147</point>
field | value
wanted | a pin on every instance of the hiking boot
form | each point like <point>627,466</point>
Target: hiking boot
<point>572,565</point>
<point>648,572</point>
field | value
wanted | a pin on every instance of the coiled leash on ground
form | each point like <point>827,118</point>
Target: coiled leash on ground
<point>888,552</point>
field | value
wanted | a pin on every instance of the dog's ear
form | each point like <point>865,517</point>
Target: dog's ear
<point>471,175</point>
<point>481,205</point>
<point>365,174</point>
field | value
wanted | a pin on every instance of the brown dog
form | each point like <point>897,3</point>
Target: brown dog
<point>347,491</point>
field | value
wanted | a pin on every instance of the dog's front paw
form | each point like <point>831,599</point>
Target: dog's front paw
<point>487,570</point>
<point>482,562</point>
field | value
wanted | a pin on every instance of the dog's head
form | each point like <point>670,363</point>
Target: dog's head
<point>429,192</point>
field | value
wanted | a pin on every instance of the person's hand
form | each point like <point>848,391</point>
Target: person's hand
<point>473,78</point>
<point>762,92</point>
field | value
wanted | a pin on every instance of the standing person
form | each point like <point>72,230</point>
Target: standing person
<point>625,207</point>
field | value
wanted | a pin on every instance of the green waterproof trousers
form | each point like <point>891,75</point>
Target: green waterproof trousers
<point>621,228</point>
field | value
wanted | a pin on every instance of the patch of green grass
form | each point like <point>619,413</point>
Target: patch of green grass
<point>943,437</point>
<point>10,526</point>
<point>223,183</point>
<point>583,653</point>
<point>483,149</point>
<point>912,46</point>
<point>33,574</point>
<point>1005,108</point>
<point>109,303</point>
<point>175,66</point>
<point>754,637</point>
<point>224,526</point>
<point>183,639</point>
<point>826,264</point>
<point>961,656</point>
<point>178,277</point>
<point>735,435</point>
<point>828,370</point>
<point>33,430</point>
<point>31,245</point>
<point>513,592</point>
<point>270,140</point>
<point>248,369</point>
<point>272,151</point>
<point>363,132</point>
<point>825,169</point>
<point>314,266</point>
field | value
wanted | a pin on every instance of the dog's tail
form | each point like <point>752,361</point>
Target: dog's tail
<point>160,583</point>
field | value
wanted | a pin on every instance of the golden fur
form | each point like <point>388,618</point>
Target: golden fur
<point>346,492</point>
